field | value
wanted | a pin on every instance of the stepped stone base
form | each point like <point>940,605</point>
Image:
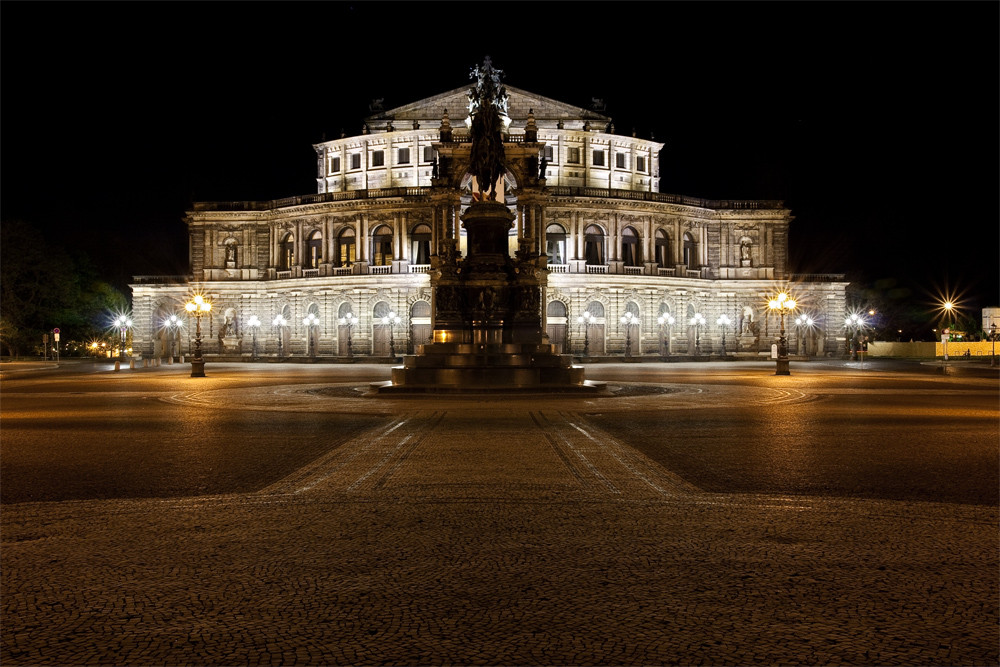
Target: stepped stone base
<point>488,367</point>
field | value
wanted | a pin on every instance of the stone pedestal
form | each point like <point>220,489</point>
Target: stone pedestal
<point>488,331</point>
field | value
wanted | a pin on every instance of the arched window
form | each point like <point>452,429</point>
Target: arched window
<point>346,248</point>
<point>556,324</point>
<point>555,244</point>
<point>420,245</point>
<point>593,237</point>
<point>662,249</point>
<point>420,324</point>
<point>690,251</point>
<point>631,251</point>
<point>287,259</point>
<point>315,250</point>
<point>382,246</point>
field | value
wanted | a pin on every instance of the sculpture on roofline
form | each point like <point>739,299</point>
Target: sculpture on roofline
<point>487,104</point>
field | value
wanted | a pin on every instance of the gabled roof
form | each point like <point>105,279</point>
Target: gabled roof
<point>547,111</point>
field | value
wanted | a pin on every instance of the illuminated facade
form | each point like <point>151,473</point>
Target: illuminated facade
<point>387,208</point>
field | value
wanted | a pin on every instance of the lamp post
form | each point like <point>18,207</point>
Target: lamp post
<point>783,303</point>
<point>123,323</point>
<point>391,320</point>
<point>853,323</point>
<point>629,320</point>
<point>281,323</point>
<point>993,340</point>
<point>350,321</point>
<point>254,324</point>
<point>723,322</point>
<point>310,321</point>
<point>585,321</point>
<point>948,306</point>
<point>800,322</point>
<point>697,321</point>
<point>173,327</point>
<point>198,306</point>
<point>665,321</point>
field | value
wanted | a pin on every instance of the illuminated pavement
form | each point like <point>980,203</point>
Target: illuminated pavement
<point>703,514</point>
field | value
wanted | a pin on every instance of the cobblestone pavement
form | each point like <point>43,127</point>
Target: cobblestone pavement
<point>499,532</point>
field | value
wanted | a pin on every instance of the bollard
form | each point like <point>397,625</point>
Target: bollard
<point>131,363</point>
<point>118,365</point>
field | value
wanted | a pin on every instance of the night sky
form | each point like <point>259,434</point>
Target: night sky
<point>876,123</point>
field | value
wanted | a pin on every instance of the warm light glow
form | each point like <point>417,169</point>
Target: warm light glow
<point>585,318</point>
<point>665,319</point>
<point>280,321</point>
<point>253,321</point>
<point>782,302</point>
<point>698,319</point>
<point>723,320</point>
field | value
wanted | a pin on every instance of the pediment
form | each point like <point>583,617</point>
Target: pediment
<point>547,111</point>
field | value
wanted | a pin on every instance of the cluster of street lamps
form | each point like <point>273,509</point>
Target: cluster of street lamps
<point>391,320</point>
<point>350,321</point>
<point>198,306</point>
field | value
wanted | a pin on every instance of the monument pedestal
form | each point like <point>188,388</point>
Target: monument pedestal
<point>488,333</point>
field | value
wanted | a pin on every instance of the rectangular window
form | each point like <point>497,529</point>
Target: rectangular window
<point>547,153</point>
<point>640,164</point>
<point>378,158</point>
<point>619,160</point>
<point>355,160</point>
<point>573,155</point>
<point>403,156</point>
<point>334,165</point>
<point>428,154</point>
<point>598,158</point>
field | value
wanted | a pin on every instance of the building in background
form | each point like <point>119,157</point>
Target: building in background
<point>322,272</point>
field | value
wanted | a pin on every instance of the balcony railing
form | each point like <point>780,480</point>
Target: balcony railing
<point>597,268</point>
<point>662,197</point>
<point>558,268</point>
<point>341,270</point>
<point>374,193</point>
<point>420,268</point>
<point>283,274</point>
<point>379,270</point>
<point>664,272</point>
<point>633,270</point>
<point>161,280</point>
<point>310,272</point>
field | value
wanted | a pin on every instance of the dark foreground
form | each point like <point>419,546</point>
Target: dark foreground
<point>704,514</point>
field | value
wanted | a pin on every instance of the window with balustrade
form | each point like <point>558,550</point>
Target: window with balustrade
<point>631,247</point>
<point>420,245</point>
<point>286,258</point>
<point>314,249</point>
<point>346,248</point>
<point>382,246</point>
<point>593,245</point>
<point>555,244</point>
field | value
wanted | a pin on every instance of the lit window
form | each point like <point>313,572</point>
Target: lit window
<point>378,158</point>
<point>598,158</point>
<point>403,156</point>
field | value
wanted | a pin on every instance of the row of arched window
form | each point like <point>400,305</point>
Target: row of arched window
<point>595,247</point>
<point>345,251</point>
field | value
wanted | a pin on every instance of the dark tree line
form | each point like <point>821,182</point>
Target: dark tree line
<point>43,286</point>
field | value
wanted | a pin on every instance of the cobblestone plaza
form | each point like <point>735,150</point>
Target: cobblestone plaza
<point>699,514</point>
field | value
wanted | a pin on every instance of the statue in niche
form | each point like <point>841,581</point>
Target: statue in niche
<point>745,321</point>
<point>230,255</point>
<point>744,253</point>
<point>487,100</point>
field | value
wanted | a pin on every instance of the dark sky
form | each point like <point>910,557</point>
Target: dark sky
<point>877,123</point>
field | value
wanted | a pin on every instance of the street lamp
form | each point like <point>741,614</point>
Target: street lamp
<point>350,321</point>
<point>853,323</point>
<point>783,303</point>
<point>723,322</point>
<point>123,323</point>
<point>391,320</point>
<point>585,321</point>
<point>281,323</point>
<point>993,339</point>
<point>197,307</point>
<point>667,321</point>
<point>174,324</point>
<point>800,322</point>
<point>697,321</point>
<point>310,321</point>
<point>629,320</point>
<point>948,306</point>
<point>254,324</point>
